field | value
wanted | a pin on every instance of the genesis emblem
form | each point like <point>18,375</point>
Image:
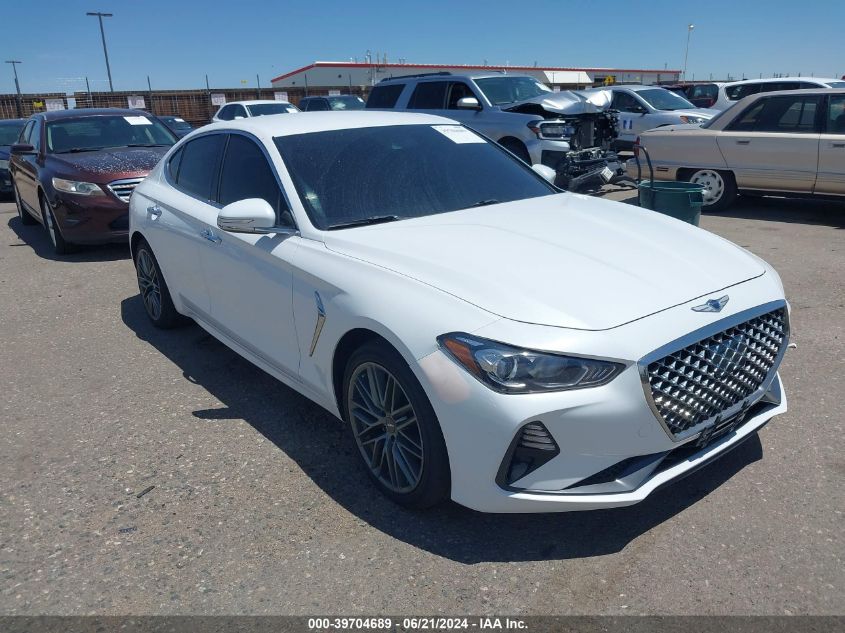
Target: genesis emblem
<point>712,305</point>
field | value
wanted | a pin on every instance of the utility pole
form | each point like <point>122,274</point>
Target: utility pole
<point>257,87</point>
<point>690,27</point>
<point>14,63</point>
<point>150,88</point>
<point>90,98</point>
<point>100,16</point>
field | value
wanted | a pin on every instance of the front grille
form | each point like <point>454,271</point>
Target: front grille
<point>123,188</point>
<point>717,376</point>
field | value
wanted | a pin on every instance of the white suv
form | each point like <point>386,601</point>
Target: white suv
<point>732,92</point>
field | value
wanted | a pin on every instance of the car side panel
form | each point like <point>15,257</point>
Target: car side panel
<point>774,161</point>
<point>831,176</point>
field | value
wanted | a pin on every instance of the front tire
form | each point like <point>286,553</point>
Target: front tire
<point>719,188</point>
<point>60,246</point>
<point>154,291</point>
<point>395,428</point>
<point>23,214</point>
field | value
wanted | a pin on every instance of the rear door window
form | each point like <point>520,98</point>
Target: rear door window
<point>199,167</point>
<point>384,96</point>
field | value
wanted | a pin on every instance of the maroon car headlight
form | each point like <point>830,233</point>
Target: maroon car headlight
<point>78,187</point>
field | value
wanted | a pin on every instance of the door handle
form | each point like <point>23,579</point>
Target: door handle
<point>210,236</point>
<point>743,142</point>
<point>838,145</point>
<point>154,211</point>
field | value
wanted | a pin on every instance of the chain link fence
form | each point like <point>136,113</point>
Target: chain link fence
<point>195,106</point>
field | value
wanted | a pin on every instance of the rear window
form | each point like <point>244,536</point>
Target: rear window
<point>735,93</point>
<point>384,96</point>
<point>9,133</point>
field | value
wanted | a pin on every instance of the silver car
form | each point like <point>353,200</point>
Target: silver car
<point>644,108</point>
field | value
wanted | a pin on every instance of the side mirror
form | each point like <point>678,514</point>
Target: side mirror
<point>252,215</point>
<point>468,103</point>
<point>21,148</point>
<point>546,172</point>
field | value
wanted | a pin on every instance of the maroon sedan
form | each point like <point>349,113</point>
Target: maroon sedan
<point>74,170</point>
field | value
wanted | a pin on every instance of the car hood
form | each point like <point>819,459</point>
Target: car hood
<point>563,260</point>
<point>563,102</point>
<point>706,113</point>
<point>108,164</point>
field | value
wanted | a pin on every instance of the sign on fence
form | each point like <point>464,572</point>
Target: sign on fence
<point>136,102</point>
<point>334,93</point>
<point>281,96</point>
<point>218,99</point>
<point>54,104</point>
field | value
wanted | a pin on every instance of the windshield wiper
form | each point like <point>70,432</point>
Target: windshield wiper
<point>375,219</point>
<point>484,203</point>
<point>74,150</point>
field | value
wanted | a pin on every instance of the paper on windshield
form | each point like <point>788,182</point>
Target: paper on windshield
<point>458,134</point>
<point>137,120</point>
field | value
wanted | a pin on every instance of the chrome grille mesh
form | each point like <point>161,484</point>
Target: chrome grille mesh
<point>708,378</point>
<point>123,188</point>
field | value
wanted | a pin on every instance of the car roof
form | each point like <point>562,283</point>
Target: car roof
<point>768,80</point>
<point>272,125</point>
<point>77,113</point>
<point>632,87</point>
<point>257,102</point>
<point>445,76</point>
<point>13,121</point>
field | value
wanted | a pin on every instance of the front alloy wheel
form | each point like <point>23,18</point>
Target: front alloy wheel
<point>385,427</point>
<point>394,427</point>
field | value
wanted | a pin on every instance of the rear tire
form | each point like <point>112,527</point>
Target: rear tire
<point>154,291</point>
<point>719,188</point>
<point>23,214</point>
<point>394,427</point>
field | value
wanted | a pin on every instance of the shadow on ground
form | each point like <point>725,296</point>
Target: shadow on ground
<point>318,443</point>
<point>35,237</point>
<point>791,210</point>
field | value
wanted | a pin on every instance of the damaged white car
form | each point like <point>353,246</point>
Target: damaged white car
<point>561,130</point>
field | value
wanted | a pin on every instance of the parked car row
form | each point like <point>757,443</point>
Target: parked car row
<point>10,130</point>
<point>722,95</point>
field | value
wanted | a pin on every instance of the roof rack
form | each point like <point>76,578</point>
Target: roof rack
<point>442,72</point>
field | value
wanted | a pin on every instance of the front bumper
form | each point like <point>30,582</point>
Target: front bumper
<point>596,429</point>
<point>91,219</point>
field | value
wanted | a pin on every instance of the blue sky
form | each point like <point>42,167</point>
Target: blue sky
<point>177,42</point>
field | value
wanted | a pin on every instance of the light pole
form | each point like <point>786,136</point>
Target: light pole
<point>14,64</point>
<point>103,35</point>
<point>690,27</point>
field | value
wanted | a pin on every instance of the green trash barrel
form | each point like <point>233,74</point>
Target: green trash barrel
<point>681,200</point>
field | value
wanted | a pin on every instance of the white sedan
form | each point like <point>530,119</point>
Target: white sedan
<point>236,110</point>
<point>483,335</point>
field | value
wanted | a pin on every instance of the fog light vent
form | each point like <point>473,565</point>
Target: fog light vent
<point>532,447</point>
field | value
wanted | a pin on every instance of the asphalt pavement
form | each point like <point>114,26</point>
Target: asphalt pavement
<point>146,472</point>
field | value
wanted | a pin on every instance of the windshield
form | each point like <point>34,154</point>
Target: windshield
<point>662,99</point>
<point>9,133</point>
<point>177,123</point>
<point>99,132</point>
<point>401,171</point>
<point>262,109</point>
<point>346,103</point>
<point>499,90</point>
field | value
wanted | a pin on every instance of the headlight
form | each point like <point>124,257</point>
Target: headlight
<point>551,130</point>
<point>514,370</point>
<point>692,119</point>
<point>80,188</point>
<point>4,164</point>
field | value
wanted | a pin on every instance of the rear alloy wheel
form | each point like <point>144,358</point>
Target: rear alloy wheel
<point>154,292</point>
<point>719,188</point>
<point>23,214</point>
<point>60,246</point>
<point>395,428</point>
